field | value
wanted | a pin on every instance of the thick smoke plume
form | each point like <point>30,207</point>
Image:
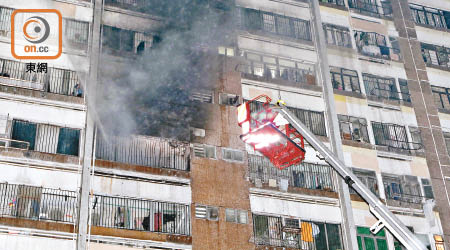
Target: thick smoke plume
<point>149,95</point>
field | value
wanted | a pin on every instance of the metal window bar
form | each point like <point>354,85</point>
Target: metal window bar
<point>369,179</point>
<point>141,215</point>
<point>276,24</point>
<point>305,235</point>
<point>374,45</point>
<point>380,87</point>
<point>58,81</point>
<point>396,195</point>
<point>144,151</point>
<point>394,137</point>
<point>337,2</point>
<point>38,203</point>
<point>305,175</point>
<point>345,79</point>
<point>429,16</point>
<point>314,120</point>
<point>5,21</point>
<point>275,72</point>
<point>353,128</point>
<point>76,33</point>
<point>441,97</point>
<point>436,55</point>
<point>369,7</point>
<point>337,35</point>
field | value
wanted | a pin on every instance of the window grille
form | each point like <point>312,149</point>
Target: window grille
<point>256,20</point>
<point>353,128</point>
<point>430,16</point>
<point>381,87</point>
<point>374,45</point>
<point>394,137</point>
<point>337,35</point>
<point>368,178</point>
<point>345,79</point>
<point>336,2</point>
<point>76,33</point>
<point>201,97</point>
<point>370,7</point>
<point>441,97</point>
<point>436,55</point>
<point>5,21</point>
<point>402,190</point>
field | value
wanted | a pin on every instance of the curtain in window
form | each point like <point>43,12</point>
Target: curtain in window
<point>47,138</point>
<point>68,141</point>
<point>25,132</point>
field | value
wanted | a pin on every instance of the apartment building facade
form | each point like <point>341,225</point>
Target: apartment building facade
<point>119,144</point>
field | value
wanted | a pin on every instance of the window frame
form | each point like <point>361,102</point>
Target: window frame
<point>334,31</point>
<point>424,19</point>
<point>373,82</point>
<point>439,94</point>
<point>340,74</point>
<point>349,121</point>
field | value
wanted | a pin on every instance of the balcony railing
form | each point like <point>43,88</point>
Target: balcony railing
<point>290,76</point>
<point>10,143</point>
<point>37,203</point>
<point>371,8</point>
<point>58,81</point>
<point>144,151</point>
<point>141,214</point>
<point>306,175</point>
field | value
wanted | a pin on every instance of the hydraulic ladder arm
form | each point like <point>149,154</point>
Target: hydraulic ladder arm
<point>385,217</point>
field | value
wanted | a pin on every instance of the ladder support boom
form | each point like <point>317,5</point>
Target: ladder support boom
<point>380,211</point>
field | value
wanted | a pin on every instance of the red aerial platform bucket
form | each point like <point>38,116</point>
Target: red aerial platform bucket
<point>281,144</point>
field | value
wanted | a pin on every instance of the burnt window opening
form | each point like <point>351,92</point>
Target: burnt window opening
<point>257,20</point>
<point>337,35</point>
<point>434,55</point>
<point>380,87</point>
<point>368,178</point>
<point>128,41</point>
<point>353,128</point>
<point>441,97</point>
<point>229,99</point>
<point>345,79</point>
<point>430,16</point>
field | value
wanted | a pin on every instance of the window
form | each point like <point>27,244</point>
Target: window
<point>45,138</point>
<point>269,67</point>
<point>391,135</point>
<point>436,55</point>
<point>207,212</point>
<point>369,179</point>
<point>337,35</point>
<point>345,79</point>
<point>353,128</point>
<point>5,21</point>
<point>226,51</point>
<point>304,175</point>
<point>404,90</point>
<point>447,141</point>
<point>229,99</point>
<point>294,233</point>
<point>232,155</point>
<point>374,45</point>
<point>380,87</point>
<point>76,32</point>
<point>429,16</point>
<point>205,151</point>
<point>395,55</point>
<point>441,97</point>
<point>126,40</point>
<point>276,24</point>
<point>401,189</point>
<point>427,188</point>
<point>368,241</point>
<point>236,216</point>
<point>370,7</point>
<point>416,138</point>
<point>337,2</point>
